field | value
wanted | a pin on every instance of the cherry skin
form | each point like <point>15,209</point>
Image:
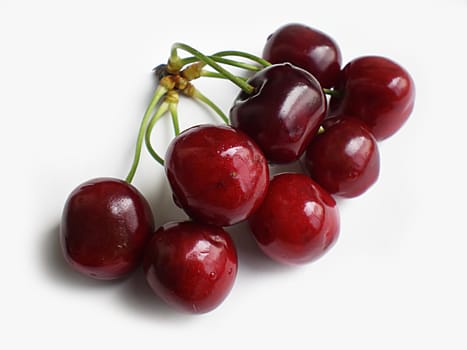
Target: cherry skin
<point>283,113</point>
<point>376,90</point>
<point>218,175</point>
<point>307,48</point>
<point>298,221</point>
<point>344,159</point>
<point>105,226</point>
<point>191,266</point>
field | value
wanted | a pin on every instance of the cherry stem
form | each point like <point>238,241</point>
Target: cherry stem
<point>174,113</point>
<point>197,94</point>
<point>206,73</point>
<point>218,57</point>
<point>163,107</point>
<point>331,92</point>
<point>160,91</point>
<point>242,84</point>
<point>247,55</point>
<point>238,64</point>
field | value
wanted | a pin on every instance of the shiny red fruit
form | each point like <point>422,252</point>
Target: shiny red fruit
<point>298,221</point>
<point>106,224</point>
<point>283,113</point>
<point>191,266</point>
<point>344,159</point>
<point>218,175</point>
<point>378,91</point>
<point>306,48</point>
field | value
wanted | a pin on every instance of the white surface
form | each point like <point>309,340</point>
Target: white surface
<point>75,78</point>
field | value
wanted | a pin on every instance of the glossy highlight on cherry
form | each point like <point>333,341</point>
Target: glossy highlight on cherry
<point>218,175</point>
<point>376,90</point>
<point>307,48</point>
<point>283,114</point>
<point>106,224</point>
<point>191,266</point>
<point>298,221</point>
<point>344,159</point>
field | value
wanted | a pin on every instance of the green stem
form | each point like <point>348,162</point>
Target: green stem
<point>174,113</point>
<point>331,92</point>
<point>211,104</point>
<point>238,64</point>
<point>163,107</point>
<point>206,73</point>
<point>247,55</point>
<point>218,57</point>
<point>160,91</point>
<point>211,62</point>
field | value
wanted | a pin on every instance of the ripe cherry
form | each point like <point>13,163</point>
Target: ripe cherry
<point>106,224</point>
<point>218,174</point>
<point>298,221</point>
<point>344,159</point>
<point>307,48</point>
<point>191,266</point>
<point>376,90</point>
<point>283,113</point>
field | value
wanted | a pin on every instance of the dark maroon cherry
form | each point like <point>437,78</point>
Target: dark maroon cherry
<point>218,175</point>
<point>106,224</point>
<point>191,266</point>
<point>344,159</point>
<point>283,113</point>
<point>378,91</point>
<point>298,221</point>
<point>307,48</point>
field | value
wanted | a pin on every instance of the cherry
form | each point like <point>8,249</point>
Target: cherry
<point>307,48</point>
<point>376,90</point>
<point>106,224</point>
<point>298,221</point>
<point>345,158</point>
<point>283,113</point>
<point>218,175</point>
<point>191,266</point>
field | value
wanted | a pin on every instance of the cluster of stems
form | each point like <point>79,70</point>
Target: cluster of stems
<point>175,78</point>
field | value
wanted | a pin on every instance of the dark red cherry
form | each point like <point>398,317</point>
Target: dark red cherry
<point>344,159</point>
<point>298,221</point>
<point>191,266</point>
<point>106,224</point>
<point>283,113</point>
<point>218,175</point>
<point>378,91</point>
<point>307,48</point>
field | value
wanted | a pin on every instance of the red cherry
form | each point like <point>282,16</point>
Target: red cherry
<point>298,221</point>
<point>306,48</point>
<point>218,174</point>
<point>344,159</point>
<point>378,91</point>
<point>191,266</point>
<point>283,114</point>
<point>106,224</point>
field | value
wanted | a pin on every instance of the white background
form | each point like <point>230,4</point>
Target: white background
<point>75,79</point>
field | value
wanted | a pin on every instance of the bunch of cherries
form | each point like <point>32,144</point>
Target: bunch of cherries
<point>220,176</point>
